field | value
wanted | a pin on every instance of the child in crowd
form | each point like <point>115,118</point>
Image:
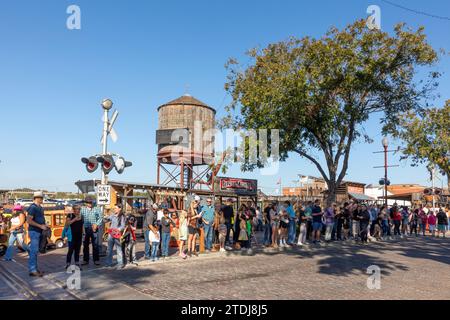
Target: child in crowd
<point>166,222</point>
<point>222,233</point>
<point>432,223</point>
<point>129,241</point>
<point>243,235</point>
<point>155,240</point>
<point>284,223</point>
<point>182,232</point>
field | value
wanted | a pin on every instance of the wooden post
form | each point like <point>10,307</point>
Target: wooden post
<point>202,240</point>
<point>158,171</point>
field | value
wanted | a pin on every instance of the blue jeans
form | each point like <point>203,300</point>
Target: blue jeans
<point>385,226</point>
<point>208,236</point>
<point>229,226</point>
<point>267,234</point>
<point>111,244</point>
<point>90,237</point>
<point>147,244</point>
<point>291,231</point>
<point>15,237</point>
<point>165,238</point>
<point>155,246</point>
<point>35,237</point>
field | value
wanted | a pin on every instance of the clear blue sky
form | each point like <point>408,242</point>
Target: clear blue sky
<point>144,53</point>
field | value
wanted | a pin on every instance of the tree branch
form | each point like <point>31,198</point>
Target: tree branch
<point>310,158</point>
<point>347,153</point>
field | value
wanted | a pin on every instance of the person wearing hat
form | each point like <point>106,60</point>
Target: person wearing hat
<point>208,212</point>
<point>16,232</point>
<point>36,224</point>
<point>93,218</point>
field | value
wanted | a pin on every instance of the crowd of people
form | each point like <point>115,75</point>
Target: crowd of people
<point>349,221</point>
<point>219,226</point>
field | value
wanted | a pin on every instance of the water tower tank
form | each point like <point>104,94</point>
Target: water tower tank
<point>198,121</point>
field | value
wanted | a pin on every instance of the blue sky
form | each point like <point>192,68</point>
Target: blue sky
<point>142,54</point>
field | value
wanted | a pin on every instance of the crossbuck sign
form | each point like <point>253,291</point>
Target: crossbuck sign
<point>103,194</point>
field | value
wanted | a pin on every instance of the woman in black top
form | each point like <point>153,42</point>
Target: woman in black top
<point>75,223</point>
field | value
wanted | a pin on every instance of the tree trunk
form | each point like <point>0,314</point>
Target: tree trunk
<point>332,189</point>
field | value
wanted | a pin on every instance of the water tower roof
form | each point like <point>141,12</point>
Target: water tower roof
<point>187,100</point>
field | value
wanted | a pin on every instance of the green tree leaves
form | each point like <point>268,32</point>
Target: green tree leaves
<point>427,137</point>
<point>320,92</point>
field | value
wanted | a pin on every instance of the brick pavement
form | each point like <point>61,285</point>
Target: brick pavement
<point>412,268</point>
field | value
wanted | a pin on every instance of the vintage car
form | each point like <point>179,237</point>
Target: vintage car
<point>55,219</point>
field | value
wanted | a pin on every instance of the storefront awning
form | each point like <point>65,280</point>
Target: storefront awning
<point>360,197</point>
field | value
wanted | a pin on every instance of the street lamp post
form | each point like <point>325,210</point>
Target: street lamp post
<point>385,143</point>
<point>432,169</point>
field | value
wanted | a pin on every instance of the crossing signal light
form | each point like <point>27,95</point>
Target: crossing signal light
<point>107,163</point>
<point>91,164</point>
<point>121,164</point>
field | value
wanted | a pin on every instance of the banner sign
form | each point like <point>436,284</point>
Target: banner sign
<point>240,186</point>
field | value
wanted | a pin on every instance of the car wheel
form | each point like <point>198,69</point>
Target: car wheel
<point>59,244</point>
<point>2,250</point>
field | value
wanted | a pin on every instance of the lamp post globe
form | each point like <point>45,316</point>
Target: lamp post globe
<point>385,142</point>
<point>107,104</point>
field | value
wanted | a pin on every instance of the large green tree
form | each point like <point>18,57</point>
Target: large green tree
<point>427,137</point>
<point>320,92</point>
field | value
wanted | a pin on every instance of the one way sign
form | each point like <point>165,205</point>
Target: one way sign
<point>104,194</point>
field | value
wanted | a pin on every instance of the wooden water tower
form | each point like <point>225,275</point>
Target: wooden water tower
<point>185,139</point>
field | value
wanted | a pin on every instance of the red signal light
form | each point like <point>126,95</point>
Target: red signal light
<point>107,163</point>
<point>91,164</point>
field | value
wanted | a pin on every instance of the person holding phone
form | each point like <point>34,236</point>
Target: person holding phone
<point>74,232</point>
<point>118,224</point>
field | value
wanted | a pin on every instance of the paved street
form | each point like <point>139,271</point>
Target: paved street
<point>411,269</point>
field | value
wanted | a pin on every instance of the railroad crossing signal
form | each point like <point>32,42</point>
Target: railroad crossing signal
<point>107,162</point>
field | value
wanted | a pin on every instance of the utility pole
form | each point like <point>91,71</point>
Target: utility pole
<point>432,169</point>
<point>385,181</point>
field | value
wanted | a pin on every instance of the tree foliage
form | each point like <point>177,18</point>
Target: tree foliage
<point>427,137</point>
<point>320,92</point>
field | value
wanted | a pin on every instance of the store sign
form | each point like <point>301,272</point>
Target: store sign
<point>238,185</point>
<point>353,189</point>
<point>103,194</point>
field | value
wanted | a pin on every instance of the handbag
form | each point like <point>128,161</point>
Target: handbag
<point>243,236</point>
<point>115,233</point>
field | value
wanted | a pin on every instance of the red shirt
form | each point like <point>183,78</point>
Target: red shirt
<point>397,216</point>
<point>432,219</point>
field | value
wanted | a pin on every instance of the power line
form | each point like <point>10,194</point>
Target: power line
<point>416,11</point>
